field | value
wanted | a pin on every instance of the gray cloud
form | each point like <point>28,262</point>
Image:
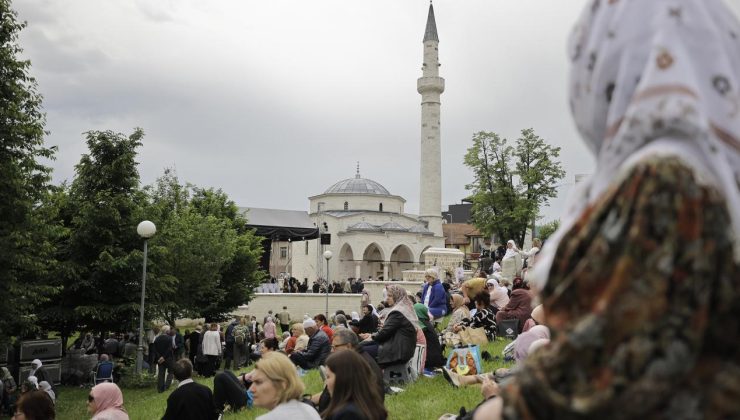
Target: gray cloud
<point>276,101</point>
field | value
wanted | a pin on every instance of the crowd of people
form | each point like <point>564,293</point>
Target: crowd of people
<point>638,289</point>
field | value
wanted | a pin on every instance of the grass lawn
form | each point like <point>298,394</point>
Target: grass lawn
<point>427,398</point>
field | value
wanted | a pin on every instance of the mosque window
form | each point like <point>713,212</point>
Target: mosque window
<point>306,247</point>
<point>380,207</point>
<point>346,205</point>
<point>283,252</point>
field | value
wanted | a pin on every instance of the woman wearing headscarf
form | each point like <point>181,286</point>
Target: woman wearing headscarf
<point>395,342</point>
<point>88,344</point>
<point>511,263</point>
<point>105,402</point>
<point>433,356</point>
<point>459,311</point>
<point>519,307</point>
<point>9,387</point>
<point>39,371</point>
<point>641,283</point>
<point>46,387</point>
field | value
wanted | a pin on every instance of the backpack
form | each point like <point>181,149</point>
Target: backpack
<point>240,335</point>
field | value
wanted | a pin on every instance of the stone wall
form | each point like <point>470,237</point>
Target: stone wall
<point>299,304</point>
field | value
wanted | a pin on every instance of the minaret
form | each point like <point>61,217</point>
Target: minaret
<point>431,86</point>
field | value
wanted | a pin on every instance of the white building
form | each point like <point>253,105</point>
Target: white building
<point>371,235</point>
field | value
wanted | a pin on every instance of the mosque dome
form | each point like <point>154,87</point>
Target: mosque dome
<point>357,185</point>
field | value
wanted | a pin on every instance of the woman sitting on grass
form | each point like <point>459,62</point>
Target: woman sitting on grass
<point>105,402</point>
<point>484,316</point>
<point>396,341</point>
<point>277,387</point>
<point>352,386</point>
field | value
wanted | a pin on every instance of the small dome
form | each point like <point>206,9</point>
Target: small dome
<point>357,185</point>
<point>393,226</point>
<point>364,226</point>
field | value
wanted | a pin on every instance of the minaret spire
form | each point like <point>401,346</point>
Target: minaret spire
<point>431,86</point>
<point>430,34</point>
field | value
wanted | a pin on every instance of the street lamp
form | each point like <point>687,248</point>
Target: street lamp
<point>146,230</point>
<point>327,257</point>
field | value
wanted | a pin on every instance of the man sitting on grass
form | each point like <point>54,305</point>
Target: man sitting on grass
<point>318,347</point>
<point>190,400</point>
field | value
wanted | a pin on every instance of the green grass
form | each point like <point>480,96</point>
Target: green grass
<point>427,398</point>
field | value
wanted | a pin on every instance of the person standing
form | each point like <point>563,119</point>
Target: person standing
<point>241,343</point>
<point>211,349</point>
<point>179,344</point>
<point>164,356</point>
<point>230,341</point>
<point>191,400</point>
<point>194,343</point>
<point>284,319</point>
<point>269,329</point>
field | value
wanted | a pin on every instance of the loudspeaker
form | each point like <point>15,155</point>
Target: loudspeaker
<point>326,239</point>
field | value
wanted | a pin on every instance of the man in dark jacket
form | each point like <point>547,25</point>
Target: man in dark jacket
<point>164,357</point>
<point>194,343</point>
<point>318,347</point>
<point>190,400</point>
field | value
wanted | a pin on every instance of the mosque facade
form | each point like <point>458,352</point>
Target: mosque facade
<point>371,234</point>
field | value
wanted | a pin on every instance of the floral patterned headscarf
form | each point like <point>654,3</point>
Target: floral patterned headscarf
<point>401,303</point>
<point>659,77</point>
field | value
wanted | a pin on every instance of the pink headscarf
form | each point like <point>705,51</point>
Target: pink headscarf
<point>108,402</point>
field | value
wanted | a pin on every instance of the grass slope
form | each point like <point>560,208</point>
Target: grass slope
<point>427,398</point>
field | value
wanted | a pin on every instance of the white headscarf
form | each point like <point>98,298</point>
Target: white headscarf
<point>655,78</point>
<point>36,363</point>
<point>510,252</point>
<point>46,387</point>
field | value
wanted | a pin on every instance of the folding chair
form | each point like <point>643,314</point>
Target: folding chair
<point>103,372</point>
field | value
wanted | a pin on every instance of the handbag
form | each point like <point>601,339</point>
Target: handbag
<point>465,360</point>
<point>473,336</point>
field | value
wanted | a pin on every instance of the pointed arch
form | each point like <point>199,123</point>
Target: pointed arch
<point>346,253</point>
<point>373,252</point>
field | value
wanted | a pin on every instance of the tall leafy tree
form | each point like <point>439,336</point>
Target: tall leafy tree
<point>204,256</point>
<point>510,183</point>
<point>101,259</point>
<point>26,236</point>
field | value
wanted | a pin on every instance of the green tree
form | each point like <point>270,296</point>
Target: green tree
<point>26,234</point>
<point>510,184</point>
<point>101,259</point>
<point>548,229</point>
<point>204,256</point>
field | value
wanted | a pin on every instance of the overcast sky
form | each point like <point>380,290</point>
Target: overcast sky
<point>274,101</point>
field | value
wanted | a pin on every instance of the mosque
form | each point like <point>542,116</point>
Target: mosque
<point>369,232</point>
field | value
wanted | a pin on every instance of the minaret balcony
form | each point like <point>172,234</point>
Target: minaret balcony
<point>430,84</point>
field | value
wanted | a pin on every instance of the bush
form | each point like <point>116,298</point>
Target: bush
<point>129,378</point>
